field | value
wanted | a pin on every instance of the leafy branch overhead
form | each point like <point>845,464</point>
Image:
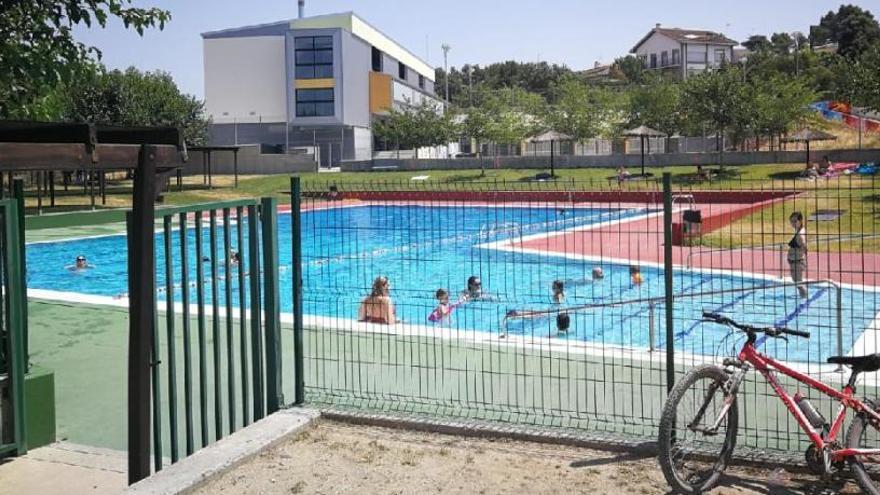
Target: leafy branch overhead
<point>38,50</point>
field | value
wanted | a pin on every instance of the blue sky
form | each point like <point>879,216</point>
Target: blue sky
<point>571,32</point>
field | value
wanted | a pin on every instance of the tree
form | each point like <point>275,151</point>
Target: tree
<point>866,80</point>
<point>584,111</point>
<point>853,29</point>
<point>514,114</point>
<point>782,43</point>
<point>38,50</point>
<point>416,126</point>
<point>133,98</point>
<point>657,105</point>
<point>715,99</point>
<point>758,44</point>
<point>631,67</point>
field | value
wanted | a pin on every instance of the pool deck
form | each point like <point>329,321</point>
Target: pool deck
<point>641,240</point>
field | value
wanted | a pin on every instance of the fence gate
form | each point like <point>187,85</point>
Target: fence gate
<point>13,360</point>
<point>204,343</point>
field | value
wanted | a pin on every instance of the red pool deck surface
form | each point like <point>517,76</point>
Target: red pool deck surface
<point>641,241</point>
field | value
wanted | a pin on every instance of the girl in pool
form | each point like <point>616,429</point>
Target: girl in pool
<point>378,307</point>
<point>797,252</point>
<point>635,275</point>
<point>442,312</point>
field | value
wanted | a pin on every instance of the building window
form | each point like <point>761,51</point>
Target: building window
<point>314,102</point>
<point>653,60</point>
<point>377,59</point>
<point>313,56</point>
<point>644,60</point>
<point>401,70</point>
<point>676,57</point>
<point>664,59</point>
<point>720,56</point>
<point>421,81</point>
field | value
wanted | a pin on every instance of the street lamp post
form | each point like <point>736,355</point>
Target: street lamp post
<point>446,49</point>
<point>797,49</point>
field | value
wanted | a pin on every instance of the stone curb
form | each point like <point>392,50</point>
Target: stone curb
<point>191,472</point>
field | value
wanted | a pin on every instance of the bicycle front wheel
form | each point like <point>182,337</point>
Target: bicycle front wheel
<point>866,469</point>
<point>697,430</point>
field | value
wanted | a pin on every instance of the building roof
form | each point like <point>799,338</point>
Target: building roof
<point>687,36</point>
<point>348,21</point>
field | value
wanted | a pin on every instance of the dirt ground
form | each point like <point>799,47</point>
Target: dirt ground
<point>336,458</point>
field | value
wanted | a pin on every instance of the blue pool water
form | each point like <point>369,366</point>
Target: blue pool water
<point>421,249</point>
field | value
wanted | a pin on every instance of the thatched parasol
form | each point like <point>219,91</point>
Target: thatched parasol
<point>551,137</point>
<point>642,132</point>
<point>806,136</point>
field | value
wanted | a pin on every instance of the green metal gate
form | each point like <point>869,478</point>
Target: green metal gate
<point>13,357</point>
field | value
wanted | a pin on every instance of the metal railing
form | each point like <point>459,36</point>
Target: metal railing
<point>13,354</point>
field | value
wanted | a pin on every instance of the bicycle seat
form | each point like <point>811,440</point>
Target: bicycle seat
<point>859,364</point>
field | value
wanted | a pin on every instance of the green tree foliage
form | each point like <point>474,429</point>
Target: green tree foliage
<point>781,43</point>
<point>778,105</point>
<point>466,83</point>
<point>514,114</point>
<point>657,105</point>
<point>416,126</point>
<point>38,50</point>
<point>865,80</point>
<point>631,67</point>
<point>132,98</point>
<point>585,111</point>
<point>854,30</point>
<point>758,43</point>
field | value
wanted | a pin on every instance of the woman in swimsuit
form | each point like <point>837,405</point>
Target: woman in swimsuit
<point>797,252</point>
<point>377,307</point>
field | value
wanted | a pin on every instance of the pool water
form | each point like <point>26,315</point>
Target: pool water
<point>423,248</point>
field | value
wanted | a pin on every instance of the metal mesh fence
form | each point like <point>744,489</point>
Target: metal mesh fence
<point>567,326</point>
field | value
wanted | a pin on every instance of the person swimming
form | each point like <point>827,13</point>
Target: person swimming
<point>558,292</point>
<point>635,275</point>
<point>598,273</point>
<point>80,264</point>
<point>443,310</point>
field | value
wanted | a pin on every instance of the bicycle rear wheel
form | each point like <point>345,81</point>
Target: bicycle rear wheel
<point>866,469</point>
<point>693,454</point>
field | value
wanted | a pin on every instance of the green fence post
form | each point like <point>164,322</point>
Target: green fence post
<point>17,302</point>
<point>667,279</point>
<point>18,194</point>
<point>255,299</point>
<point>296,261</point>
<point>271,304</point>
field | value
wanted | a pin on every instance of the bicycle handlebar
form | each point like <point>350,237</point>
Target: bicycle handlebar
<point>769,331</point>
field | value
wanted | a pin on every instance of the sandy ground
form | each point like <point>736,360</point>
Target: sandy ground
<point>335,458</point>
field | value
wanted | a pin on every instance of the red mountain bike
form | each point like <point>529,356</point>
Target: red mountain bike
<point>700,418</point>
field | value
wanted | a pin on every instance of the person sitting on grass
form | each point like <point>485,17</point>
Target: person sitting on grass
<point>80,264</point>
<point>378,307</point>
<point>825,167</point>
<point>622,174</point>
<point>811,172</point>
<point>558,292</point>
<point>635,275</point>
<point>703,174</point>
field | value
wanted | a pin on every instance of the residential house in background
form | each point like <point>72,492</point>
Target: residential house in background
<point>683,52</point>
<point>316,82</point>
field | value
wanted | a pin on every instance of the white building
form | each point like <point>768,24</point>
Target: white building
<point>683,51</point>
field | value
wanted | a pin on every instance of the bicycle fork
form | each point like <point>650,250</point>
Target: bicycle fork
<point>730,388</point>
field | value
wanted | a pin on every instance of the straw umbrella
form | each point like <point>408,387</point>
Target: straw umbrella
<point>642,132</point>
<point>806,136</point>
<point>552,137</point>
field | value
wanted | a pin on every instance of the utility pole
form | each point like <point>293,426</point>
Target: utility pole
<point>470,86</point>
<point>446,49</point>
<point>797,49</point>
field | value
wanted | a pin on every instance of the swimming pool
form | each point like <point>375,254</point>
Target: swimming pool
<point>423,248</point>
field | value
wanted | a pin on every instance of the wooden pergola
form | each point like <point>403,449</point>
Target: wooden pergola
<point>206,162</point>
<point>49,147</point>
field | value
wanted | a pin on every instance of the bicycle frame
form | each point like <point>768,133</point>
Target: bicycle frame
<point>767,365</point>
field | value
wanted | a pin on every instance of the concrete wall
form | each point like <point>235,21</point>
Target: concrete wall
<point>250,162</point>
<point>632,162</point>
<point>355,80</point>
<point>244,77</point>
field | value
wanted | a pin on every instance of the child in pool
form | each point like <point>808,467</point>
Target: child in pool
<point>635,275</point>
<point>558,292</point>
<point>443,310</point>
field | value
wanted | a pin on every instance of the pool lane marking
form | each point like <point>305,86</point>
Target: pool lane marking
<point>794,314</point>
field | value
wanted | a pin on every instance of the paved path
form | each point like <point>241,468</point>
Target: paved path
<point>641,240</point>
<point>64,468</point>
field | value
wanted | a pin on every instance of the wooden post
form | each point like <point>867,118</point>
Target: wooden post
<point>142,310</point>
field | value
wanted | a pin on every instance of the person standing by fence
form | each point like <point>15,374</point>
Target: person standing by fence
<point>797,252</point>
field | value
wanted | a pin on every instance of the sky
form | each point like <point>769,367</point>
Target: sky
<point>575,33</point>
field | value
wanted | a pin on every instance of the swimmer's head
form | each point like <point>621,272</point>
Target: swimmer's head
<point>598,274</point>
